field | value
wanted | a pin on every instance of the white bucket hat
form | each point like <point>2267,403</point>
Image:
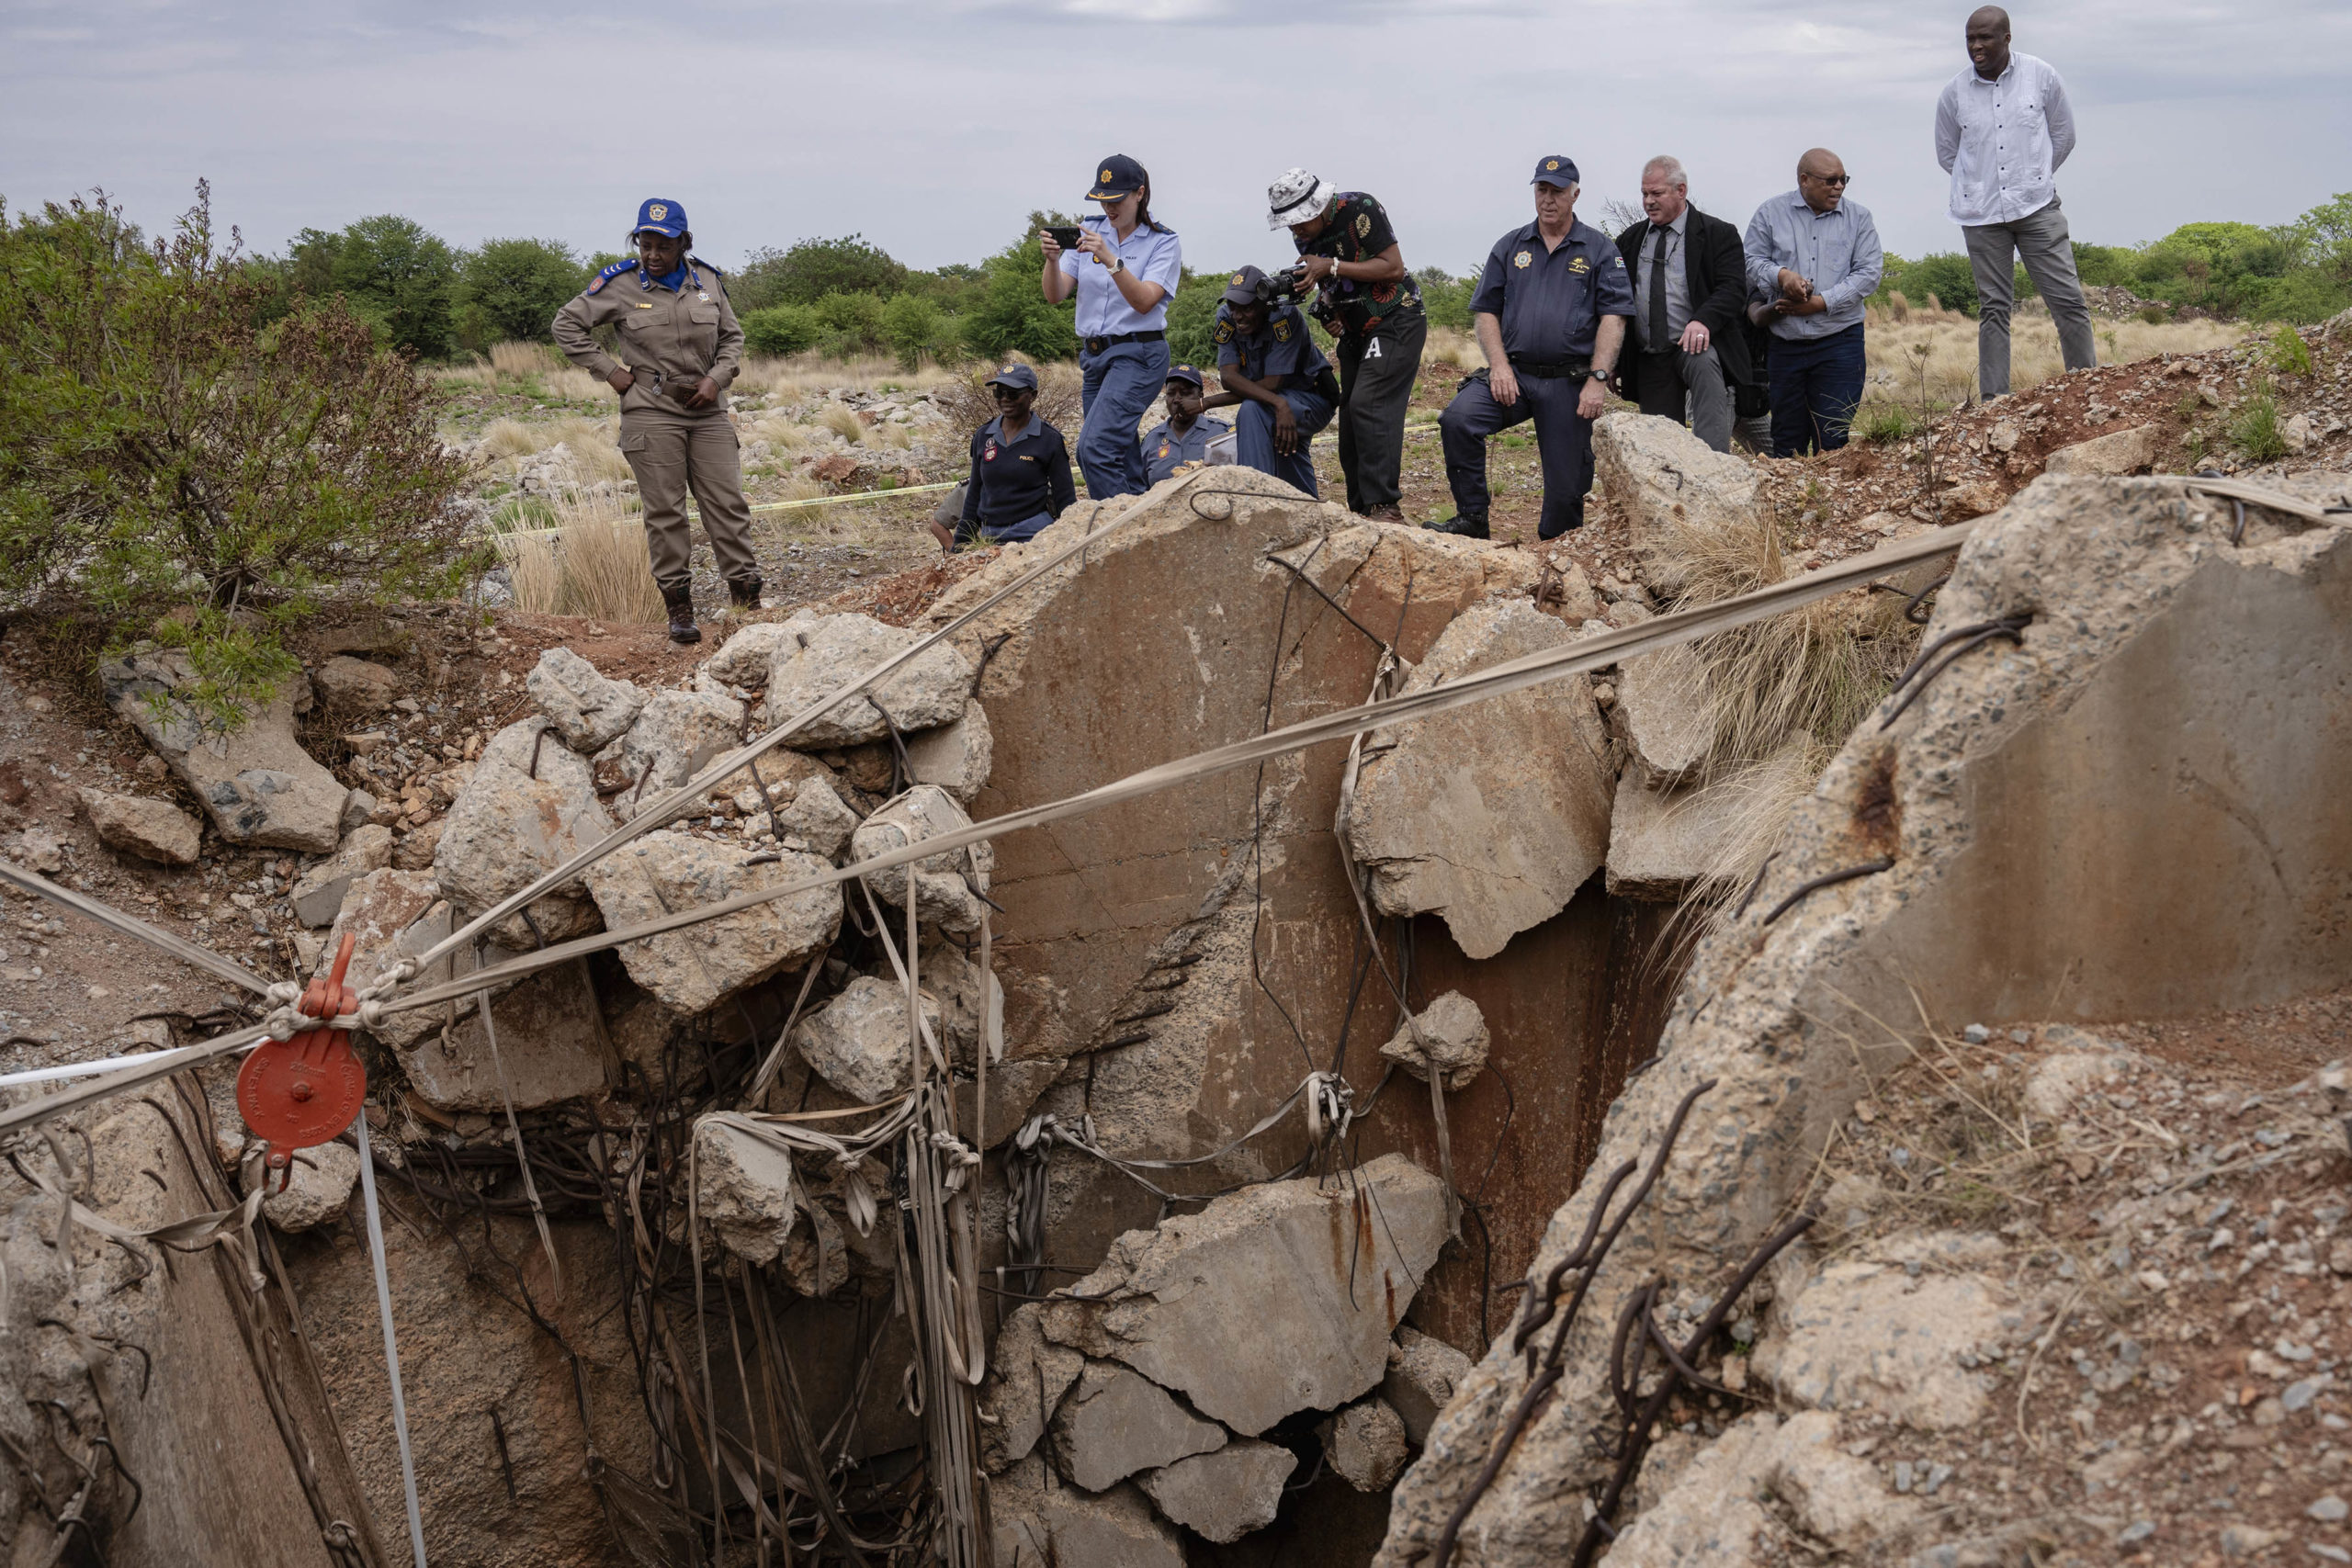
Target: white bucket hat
<point>1297,196</point>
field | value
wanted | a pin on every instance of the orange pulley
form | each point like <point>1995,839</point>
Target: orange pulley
<point>295,1094</point>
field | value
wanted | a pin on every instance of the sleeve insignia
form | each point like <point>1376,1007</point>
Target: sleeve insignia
<point>1621,264</point>
<point>596,283</point>
<point>1522,259</point>
<point>610,273</point>
<point>1281,331</point>
<point>1363,224</point>
<point>1224,331</point>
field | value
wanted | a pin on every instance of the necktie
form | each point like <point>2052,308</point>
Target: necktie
<point>1660,235</point>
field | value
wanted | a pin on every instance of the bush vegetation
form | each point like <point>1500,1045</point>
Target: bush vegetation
<point>192,452</point>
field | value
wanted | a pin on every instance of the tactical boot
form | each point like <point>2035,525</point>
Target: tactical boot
<point>681,600</point>
<point>1385,514</point>
<point>743,593</point>
<point>1463,528</point>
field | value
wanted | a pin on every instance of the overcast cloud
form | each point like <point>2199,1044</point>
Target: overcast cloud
<point>932,126</point>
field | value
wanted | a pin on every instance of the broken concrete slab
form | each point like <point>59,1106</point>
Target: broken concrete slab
<point>2110,456</point>
<point>742,661</point>
<point>1423,1373</point>
<point>1320,1283</point>
<point>529,806</point>
<point>1667,844</point>
<point>817,814</point>
<point>356,685</point>
<point>1116,1422</point>
<point>257,784</point>
<point>956,756</point>
<point>694,968</point>
<point>949,885</point>
<point>1857,1334</point>
<point>1364,1444</point>
<point>1037,1521</point>
<point>970,1003</point>
<point>676,735</point>
<point>588,709</point>
<point>390,915</point>
<point>743,1190</point>
<point>547,1044</point>
<point>1666,713</point>
<point>1451,1031</point>
<point>1015,1088</point>
<point>152,830</point>
<point>1664,481</point>
<point>828,654</point>
<point>319,892</point>
<point>1493,815</point>
<point>1710,1511</point>
<point>1224,1496</point>
<point>857,1042</point>
<point>318,1188</point>
<point>1026,1378</point>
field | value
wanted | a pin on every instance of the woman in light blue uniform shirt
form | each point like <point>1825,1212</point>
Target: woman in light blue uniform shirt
<point>1123,273</point>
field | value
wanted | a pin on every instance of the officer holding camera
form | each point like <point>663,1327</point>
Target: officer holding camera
<point>1270,368</point>
<point>1371,308</point>
<point>1124,268</point>
<point>1551,310</point>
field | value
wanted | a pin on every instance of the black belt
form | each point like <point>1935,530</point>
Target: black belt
<point>1097,345</point>
<point>1552,370</point>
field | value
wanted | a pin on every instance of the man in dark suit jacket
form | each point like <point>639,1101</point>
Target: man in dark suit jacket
<point>1691,342</point>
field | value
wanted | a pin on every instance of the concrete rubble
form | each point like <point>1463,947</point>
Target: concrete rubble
<point>1116,1422</point>
<point>832,651</point>
<point>1422,1375</point>
<point>949,885</point>
<point>318,893</point>
<point>1224,1495</point>
<point>857,1042</point>
<point>743,1192</point>
<point>697,967</point>
<point>529,806</point>
<point>1364,1444</point>
<point>1666,714</point>
<point>152,830</point>
<point>1668,483</point>
<point>1449,1035</point>
<point>589,712</point>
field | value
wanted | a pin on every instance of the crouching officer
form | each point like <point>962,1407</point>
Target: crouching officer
<point>677,347</point>
<point>1270,367</point>
<point>1551,311</point>
<point>1185,436</point>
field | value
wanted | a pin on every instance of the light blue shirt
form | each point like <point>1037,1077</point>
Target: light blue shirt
<point>1839,250</point>
<point>1152,254</point>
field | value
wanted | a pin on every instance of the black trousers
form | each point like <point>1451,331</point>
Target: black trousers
<point>1376,374</point>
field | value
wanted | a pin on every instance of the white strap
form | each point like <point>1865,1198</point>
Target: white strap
<point>391,1349</point>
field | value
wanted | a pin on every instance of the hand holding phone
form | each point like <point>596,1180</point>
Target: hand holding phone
<point>1066,235</point>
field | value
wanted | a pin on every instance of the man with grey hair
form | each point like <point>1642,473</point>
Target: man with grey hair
<point>1690,290</point>
<point>2003,127</point>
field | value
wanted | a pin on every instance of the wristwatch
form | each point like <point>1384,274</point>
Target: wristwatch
<point>1118,266</point>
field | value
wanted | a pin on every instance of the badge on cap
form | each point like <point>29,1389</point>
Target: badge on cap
<point>1237,278</point>
<point>1522,259</point>
<point>1106,177</point>
<point>1551,163</point>
<point>657,213</point>
<point>1008,370</point>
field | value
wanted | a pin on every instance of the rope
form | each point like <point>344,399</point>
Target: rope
<point>391,1346</point>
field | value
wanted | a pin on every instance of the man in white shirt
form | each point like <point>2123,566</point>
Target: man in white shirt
<point>2003,126</point>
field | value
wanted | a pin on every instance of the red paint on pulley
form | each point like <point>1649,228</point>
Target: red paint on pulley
<point>297,1094</point>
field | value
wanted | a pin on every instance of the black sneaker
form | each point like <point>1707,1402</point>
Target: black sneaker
<point>680,600</point>
<point>743,594</point>
<point>1461,527</point>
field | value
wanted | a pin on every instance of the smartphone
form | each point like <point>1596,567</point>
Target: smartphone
<point>1064,236</point>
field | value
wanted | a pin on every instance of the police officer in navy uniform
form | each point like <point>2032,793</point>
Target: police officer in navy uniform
<point>1270,368</point>
<point>679,348</point>
<point>1185,436</point>
<point>1551,311</point>
<point>1020,480</point>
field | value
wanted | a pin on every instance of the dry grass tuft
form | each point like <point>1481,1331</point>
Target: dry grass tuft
<point>592,563</point>
<point>808,375</point>
<point>591,444</point>
<point>969,404</point>
<point>843,421</point>
<point>1446,346</point>
<point>1895,336</point>
<point>521,359</point>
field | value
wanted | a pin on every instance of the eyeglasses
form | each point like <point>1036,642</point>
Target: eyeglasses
<point>1831,179</point>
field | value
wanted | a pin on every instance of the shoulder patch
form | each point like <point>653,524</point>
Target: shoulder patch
<point>1224,332</point>
<point>1283,330</point>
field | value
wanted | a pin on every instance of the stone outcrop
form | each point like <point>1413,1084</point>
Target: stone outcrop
<point>588,710</point>
<point>1320,1282</point>
<point>2110,456</point>
<point>529,806</point>
<point>152,830</point>
<point>356,685</point>
<point>828,654</point>
<point>1225,1495</point>
<point>1449,1033</point>
<point>742,661</point>
<point>694,968</point>
<point>318,893</point>
<point>1666,481</point>
<point>948,885</point>
<point>256,783</point>
<point>1493,815</point>
<point>1116,1422</point>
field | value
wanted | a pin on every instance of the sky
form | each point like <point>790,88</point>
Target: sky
<point>932,126</point>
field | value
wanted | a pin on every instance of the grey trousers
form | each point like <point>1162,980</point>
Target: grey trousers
<point>2039,239</point>
<point>1376,375</point>
<point>1665,383</point>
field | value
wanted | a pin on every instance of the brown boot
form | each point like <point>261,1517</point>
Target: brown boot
<point>681,600</point>
<point>1385,514</point>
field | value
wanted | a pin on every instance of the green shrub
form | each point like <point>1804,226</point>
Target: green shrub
<point>783,329</point>
<point>1013,317</point>
<point>814,268</point>
<point>912,326</point>
<point>1947,276</point>
<point>853,324</point>
<point>1885,423</point>
<point>2255,427</point>
<point>1446,296</point>
<point>509,290</point>
<point>1191,320</point>
<point>398,278</point>
<point>166,447</point>
<point>2105,267</point>
<point>2289,356</point>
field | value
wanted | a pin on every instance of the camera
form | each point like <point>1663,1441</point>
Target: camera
<point>1064,235</point>
<point>1281,287</point>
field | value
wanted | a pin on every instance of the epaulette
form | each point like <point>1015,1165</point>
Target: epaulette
<point>610,273</point>
<point>719,273</point>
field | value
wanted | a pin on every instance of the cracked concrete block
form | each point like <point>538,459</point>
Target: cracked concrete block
<point>318,1188</point>
<point>528,807</point>
<point>152,830</point>
<point>1665,844</point>
<point>1493,815</point>
<point>1026,1378</point>
<point>319,892</point>
<point>1364,1444</point>
<point>1224,1496</point>
<point>2117,453</point>
<point>1452,1030</point>
<point>857,1042</point>
<point>743,1190</point>
<point>947,885</point>
<point>822,657</point>
<point>1664,481</point>
<point>695,967</point>
<point>675,737</point>
<point>257,784</point>
<point>1423,1373</point>
<point>390,915</point>
<point>1319,1282</point>
<point>1710,1509</point>
<point>960,987</point>
<point>1860,1334</point>
<point>743,659</point>
<point>1039,1522</point>
<point>1666,713</point>
<point>956,756</point>
<point>588,709</point>
<point>817,814</point>
<point>548,1048</point>
<point>1116,1422</point>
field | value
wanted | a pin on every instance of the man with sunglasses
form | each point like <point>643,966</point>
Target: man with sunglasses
<point>1816,256</point>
